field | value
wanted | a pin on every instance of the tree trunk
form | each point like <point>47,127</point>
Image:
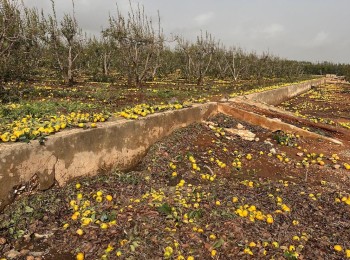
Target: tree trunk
<point>2,89</point>
<point>70,67</point>
<point>189,72</point>
<point>154,73</point>
<point>200,80</point>
<point>138,81</point>
<point>105,65</point>
<point>130,84</point>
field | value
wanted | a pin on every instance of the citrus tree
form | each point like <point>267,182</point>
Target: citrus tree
<point>138,42</point>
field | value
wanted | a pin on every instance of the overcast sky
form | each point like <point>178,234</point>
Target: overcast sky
<point>313,30</point>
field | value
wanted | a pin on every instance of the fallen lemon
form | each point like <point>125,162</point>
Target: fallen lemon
<point>80,256</point>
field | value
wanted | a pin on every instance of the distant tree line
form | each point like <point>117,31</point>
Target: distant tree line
<point>36,45</point>
<point>322,68</point>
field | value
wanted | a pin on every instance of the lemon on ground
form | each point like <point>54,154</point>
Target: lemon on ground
<point>80,256</point>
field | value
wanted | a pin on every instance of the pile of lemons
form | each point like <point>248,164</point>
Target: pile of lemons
<point>29,127</point>
<point>146,109</point>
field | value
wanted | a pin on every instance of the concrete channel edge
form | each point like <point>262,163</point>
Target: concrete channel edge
<point>117,144</point>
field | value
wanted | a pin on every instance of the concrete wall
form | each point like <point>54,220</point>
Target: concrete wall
<point>120,144</point>
<point>69,154</point>
<point>277,96</point>
<point>268,123</point>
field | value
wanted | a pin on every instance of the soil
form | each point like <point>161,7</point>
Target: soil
<point>190,197</point>
<point>324,105</point>
<point>114,96</point>
<point>328,102</point>
<point>153,214</point>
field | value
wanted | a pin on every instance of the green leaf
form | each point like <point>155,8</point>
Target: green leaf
<point>20,233</point>
<point>290,256</point>
<point>218,243</point>
<point>24,139</point>
<point>195,214</point>
<point>28,209</point>
<point>104,217</point>
<point>134,245</point>
<point>165,208</point>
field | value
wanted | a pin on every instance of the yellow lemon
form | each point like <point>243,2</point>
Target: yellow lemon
<point>103,226</point>
<point>80,256</point>
<point>338,248</point>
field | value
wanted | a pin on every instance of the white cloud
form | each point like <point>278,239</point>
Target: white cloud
<point>317,34</point>
<point>204,18</point>
<point>320,39</point>
<point>272,30</point>
<point>266,33</point>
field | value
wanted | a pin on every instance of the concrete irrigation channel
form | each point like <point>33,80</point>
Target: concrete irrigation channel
<point>121,144</point>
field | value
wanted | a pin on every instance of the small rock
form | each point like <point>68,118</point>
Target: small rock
<point>43,235</point>
<point>300,154</point>
<point>257,139</point>
<point>37,254</point>
<point>273,151</point>
<point>2,241</point>
<point>209,123</point>
<point>27,237</point>
<point>268,142</point>
<point>336,166</point>
<point>12,254</point>
<point>30,257</point>
<point>244,134</point>
<point>224,99</point>
<point>240,126</point>
<point>24,252</point>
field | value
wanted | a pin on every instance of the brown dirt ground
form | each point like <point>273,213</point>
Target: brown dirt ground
<point>143,230</point>
<point>155,215</point>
